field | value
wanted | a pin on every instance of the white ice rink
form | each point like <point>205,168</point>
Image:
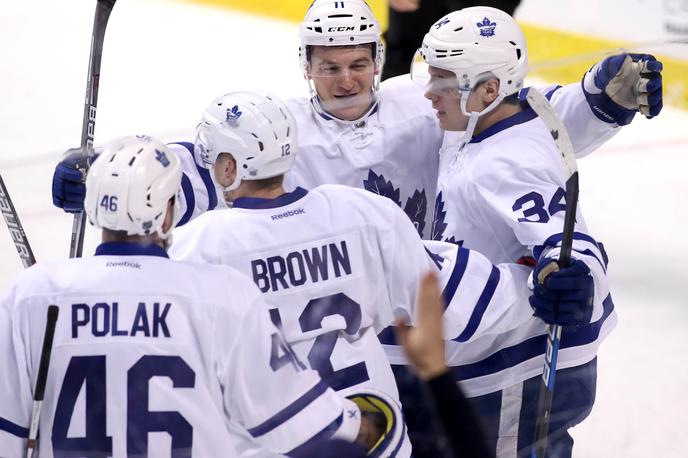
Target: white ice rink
<point>164,61</point>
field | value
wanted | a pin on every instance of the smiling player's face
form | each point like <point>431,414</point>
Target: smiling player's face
<point>343,78</point>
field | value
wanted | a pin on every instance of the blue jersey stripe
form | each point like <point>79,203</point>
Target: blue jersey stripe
<point>480,306</point>
<point>554,240</point>
<point>289,411</point>
<point>386,336</point>
<point>13,428</point>
<point>311,445</point>
<point>190,200</point>
<point>456,275</point>
<point>589,252</point>
<point>533,347</point>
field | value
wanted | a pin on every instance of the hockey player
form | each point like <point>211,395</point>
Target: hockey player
<point>383,138</point>
<point>500,191</point>
<point>337,263</point>
<point>176,359</point>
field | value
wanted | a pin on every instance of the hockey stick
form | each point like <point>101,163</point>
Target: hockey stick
<point>544,110</point>
<point>584,57</point>
<point>21,242</point>
<point>41,379</point>
<point>102,14</point>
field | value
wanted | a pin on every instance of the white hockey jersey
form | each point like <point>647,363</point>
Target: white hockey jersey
<point>502,194</point>
<point>393,150</point>
<point>153,357</point>
<point>337,263</point>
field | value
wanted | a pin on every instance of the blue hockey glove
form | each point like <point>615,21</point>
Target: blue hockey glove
<point>69,189</point>
<point>565,296</point>
<point>622,85</point>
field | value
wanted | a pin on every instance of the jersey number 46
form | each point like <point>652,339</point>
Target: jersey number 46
<point>90,370</point>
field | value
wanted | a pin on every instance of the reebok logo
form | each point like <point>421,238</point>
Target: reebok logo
<point>287,214</point>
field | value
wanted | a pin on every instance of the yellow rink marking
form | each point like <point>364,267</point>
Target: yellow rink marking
<point>556,56</point>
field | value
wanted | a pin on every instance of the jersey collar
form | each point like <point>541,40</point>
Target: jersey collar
<point>129,249</point>
<point>519,118</point>
<point>256,203</point>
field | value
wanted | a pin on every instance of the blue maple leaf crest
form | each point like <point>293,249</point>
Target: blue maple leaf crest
<point>487,28</point>
<point>415,209</point>
<point>233,115</point>
<point>438,224</point>
<point>162,158</point>
<point>378,185</point>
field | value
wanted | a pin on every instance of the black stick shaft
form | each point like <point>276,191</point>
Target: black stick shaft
<point>9,213</point>
<point>42,378</point>
<point>102,14</point>
<point>53,312</point>
<point>563,144</point>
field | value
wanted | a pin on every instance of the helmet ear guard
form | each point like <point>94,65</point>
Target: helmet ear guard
<point>128,188</point>
<point>257,129</point>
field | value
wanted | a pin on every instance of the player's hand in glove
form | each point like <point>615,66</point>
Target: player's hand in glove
<point>562,296</point>
<point>622,85</point>
<point>69,189</point>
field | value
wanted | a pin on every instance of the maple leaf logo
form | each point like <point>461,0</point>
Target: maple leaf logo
<point>438,224</point>
<point>415,208</point>
<point>378,185</point>
<point>454,241</point>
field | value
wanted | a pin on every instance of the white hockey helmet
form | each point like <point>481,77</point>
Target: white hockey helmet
<point>258,130</point>
<point>340,23</point>
<point>475,44</point>
<point>129,185</point>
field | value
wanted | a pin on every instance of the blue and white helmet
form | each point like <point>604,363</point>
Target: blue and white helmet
<point>129,185</point>
<point>257,129</point>
<point>476,44</point>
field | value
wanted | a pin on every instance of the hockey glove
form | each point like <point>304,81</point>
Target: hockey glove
<point>385,422</point>
<point>562,296</point>
<point>622,85</point>
<point>69,189</point>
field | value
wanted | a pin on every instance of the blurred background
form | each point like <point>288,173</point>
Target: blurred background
<point>164,60</point>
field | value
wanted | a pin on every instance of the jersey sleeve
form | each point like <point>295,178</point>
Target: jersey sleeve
<point>282,405</point>
<point>199,193</point>
<point>480,298</point>
<point>587,131</point>
<point>15,386</point>
<point>405,260</point>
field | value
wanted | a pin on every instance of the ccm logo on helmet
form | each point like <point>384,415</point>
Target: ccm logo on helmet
<point>349,28</point>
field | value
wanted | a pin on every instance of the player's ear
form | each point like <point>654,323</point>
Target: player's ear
<point>225,169</point>
<point>491,90</point>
